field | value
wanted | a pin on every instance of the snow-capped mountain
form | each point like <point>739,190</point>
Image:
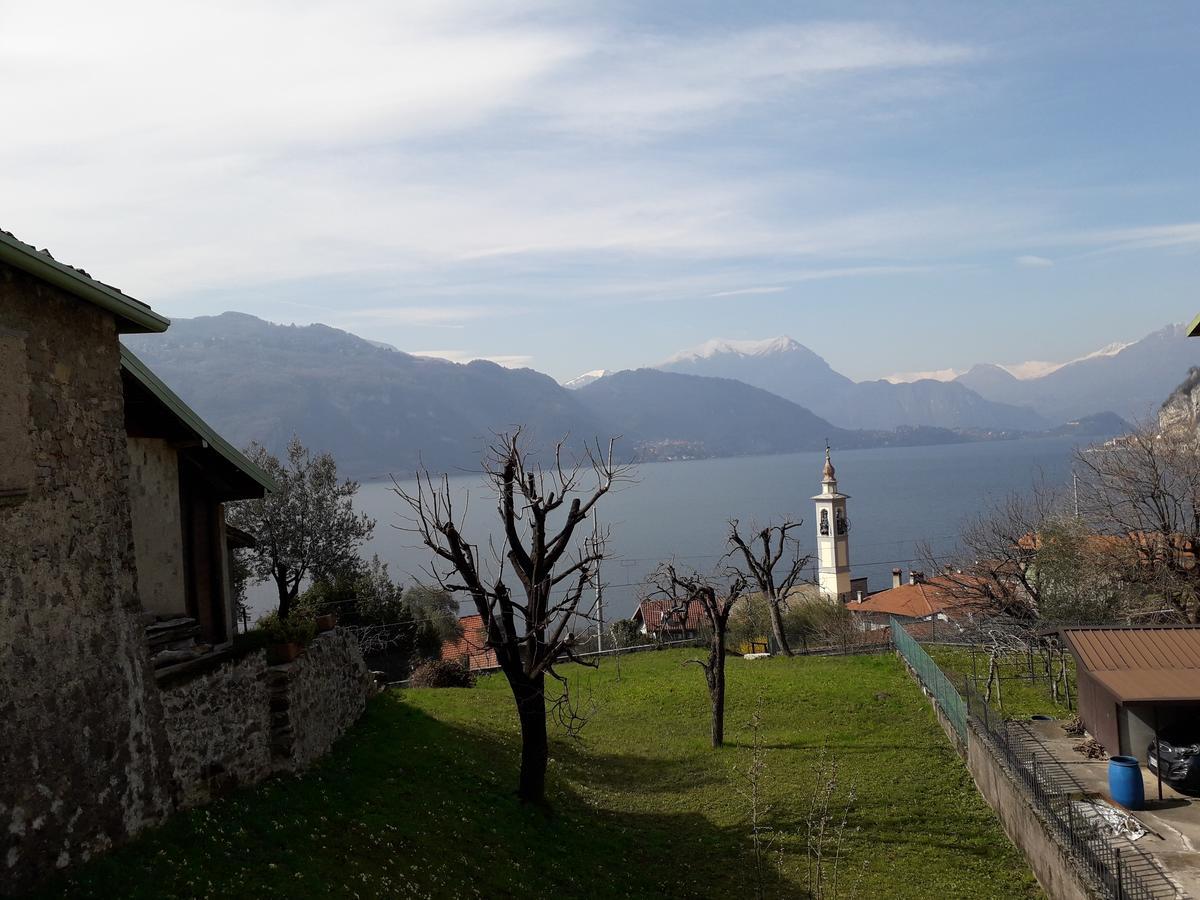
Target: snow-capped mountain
<point>1130,379</point>
<point>724,346</point>
<point>586,378</point>
<point>790,370</point>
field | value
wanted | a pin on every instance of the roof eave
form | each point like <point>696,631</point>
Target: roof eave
<point>192,421</point>
<point>133,317</point>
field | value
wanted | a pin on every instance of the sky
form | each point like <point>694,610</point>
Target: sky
<point>902,187</point>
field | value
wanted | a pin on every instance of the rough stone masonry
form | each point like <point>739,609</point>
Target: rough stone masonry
<point>92,748</point>
<point>82,747</point>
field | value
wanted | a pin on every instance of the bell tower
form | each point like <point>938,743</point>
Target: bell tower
<point>833,537</point>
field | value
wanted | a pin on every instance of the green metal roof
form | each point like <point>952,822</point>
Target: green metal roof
<point>187,416</point>
<point>1194,328</point>
<point>132,315</point>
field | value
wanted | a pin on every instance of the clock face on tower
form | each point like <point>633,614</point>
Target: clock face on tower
<point>825,523</point>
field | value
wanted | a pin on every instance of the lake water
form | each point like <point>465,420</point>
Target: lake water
<point>899,497</point>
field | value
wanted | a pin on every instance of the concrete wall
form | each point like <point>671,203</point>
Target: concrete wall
<point>157,526</point>
<point>1053,868</point>
<point>82,747</point>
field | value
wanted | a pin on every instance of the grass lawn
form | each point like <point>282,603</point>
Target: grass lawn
<point>417,801</point>
<point>1021,697</point>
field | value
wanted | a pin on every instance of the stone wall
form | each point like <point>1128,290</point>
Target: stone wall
<point>219,727</point>
<point>317,697</point>
<point>82,748</point>
<point>236,722</point>
<point>157,525</point>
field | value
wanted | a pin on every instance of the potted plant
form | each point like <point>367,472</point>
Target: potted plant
<point>286,639</point>
<point>327,622</point>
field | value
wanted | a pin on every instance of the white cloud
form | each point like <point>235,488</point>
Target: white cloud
<point>509,361</point>
<point>175,148</point>
<point>934,374</point>
<point>740,292</point>
<point>1034,262</point>
<point>645,86</point>
<point>423,315</point>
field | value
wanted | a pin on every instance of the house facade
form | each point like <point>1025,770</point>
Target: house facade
<point>81,726</point>
<point>470,648</point>
<point>120,696</point>
<point>662,620</point>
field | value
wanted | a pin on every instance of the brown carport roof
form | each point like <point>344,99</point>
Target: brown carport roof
<point>1141,664</point>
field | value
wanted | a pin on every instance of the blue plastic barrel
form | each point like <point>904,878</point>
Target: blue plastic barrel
<point>1125,782</point>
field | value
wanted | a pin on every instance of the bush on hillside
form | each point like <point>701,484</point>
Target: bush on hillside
<point>442,673</point>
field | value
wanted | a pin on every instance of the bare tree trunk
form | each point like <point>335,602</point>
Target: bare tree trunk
<point>715,675</point>
<point>777,626</point>
<point>535,748</point>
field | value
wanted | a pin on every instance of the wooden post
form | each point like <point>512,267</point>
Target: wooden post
<point>1157,752</point>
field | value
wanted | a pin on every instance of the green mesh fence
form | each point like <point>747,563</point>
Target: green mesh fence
<point>932,678</point>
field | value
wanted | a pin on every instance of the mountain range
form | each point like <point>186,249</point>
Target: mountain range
<point>794,372</point>
<point>1129,379</point>
<point>1132,382</point>
<point>383,411</point>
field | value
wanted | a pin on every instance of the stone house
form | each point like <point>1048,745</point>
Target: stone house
<point>181,475</point>
<point>663,621</point>
<point>120,694</point>
<point>470,648</point>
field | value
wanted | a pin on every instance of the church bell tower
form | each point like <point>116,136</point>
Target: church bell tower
<point>833,537</point>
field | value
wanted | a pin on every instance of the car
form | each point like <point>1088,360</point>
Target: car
<point>1180,761</point>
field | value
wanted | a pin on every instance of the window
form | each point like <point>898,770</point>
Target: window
<point>16,472</point>
<point>843,525</point>
<point>825,523</point>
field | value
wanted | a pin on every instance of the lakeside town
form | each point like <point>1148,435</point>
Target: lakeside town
<point>325,573</point>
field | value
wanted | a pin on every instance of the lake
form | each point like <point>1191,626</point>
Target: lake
<point>899,497</point>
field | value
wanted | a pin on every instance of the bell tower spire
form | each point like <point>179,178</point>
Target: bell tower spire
<point>833,536</point>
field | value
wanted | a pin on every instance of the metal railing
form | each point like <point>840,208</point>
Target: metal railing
<point>1118,867</point>
<point>932,678</point>
<point>1114,862</point>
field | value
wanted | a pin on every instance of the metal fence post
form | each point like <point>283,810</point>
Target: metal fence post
<point>1120,876</point>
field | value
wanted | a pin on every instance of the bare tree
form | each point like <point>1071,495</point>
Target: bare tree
<point>995,572</point>
<point>306,527</point>
<point>554,564</point>
<point>684,589</point>
<point>1142,496</point>
<point>762,556</point>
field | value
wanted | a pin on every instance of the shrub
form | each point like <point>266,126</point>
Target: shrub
<point>442,673</point>
<point>296,629</point>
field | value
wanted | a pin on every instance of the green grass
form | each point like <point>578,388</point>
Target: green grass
<point>417,801</point>
<point>1021,697</point>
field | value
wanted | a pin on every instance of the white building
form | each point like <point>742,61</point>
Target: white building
<point>833,539</point>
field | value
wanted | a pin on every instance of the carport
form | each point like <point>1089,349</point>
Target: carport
<point>1136,682</point>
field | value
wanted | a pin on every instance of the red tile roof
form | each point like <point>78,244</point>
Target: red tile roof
<point>916,601</point>
<point>471,648</point>
<point>652,613</point>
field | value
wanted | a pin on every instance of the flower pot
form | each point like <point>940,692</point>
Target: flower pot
<point>326,622</point>
<point>283,653</point>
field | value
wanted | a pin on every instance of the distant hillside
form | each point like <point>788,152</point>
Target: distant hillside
<point>381,411</point>
<point>681,415</point>
<point>1100,425</point>
<point>794,372</point>
<point>1130,382</point>
<point>378,410</point>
